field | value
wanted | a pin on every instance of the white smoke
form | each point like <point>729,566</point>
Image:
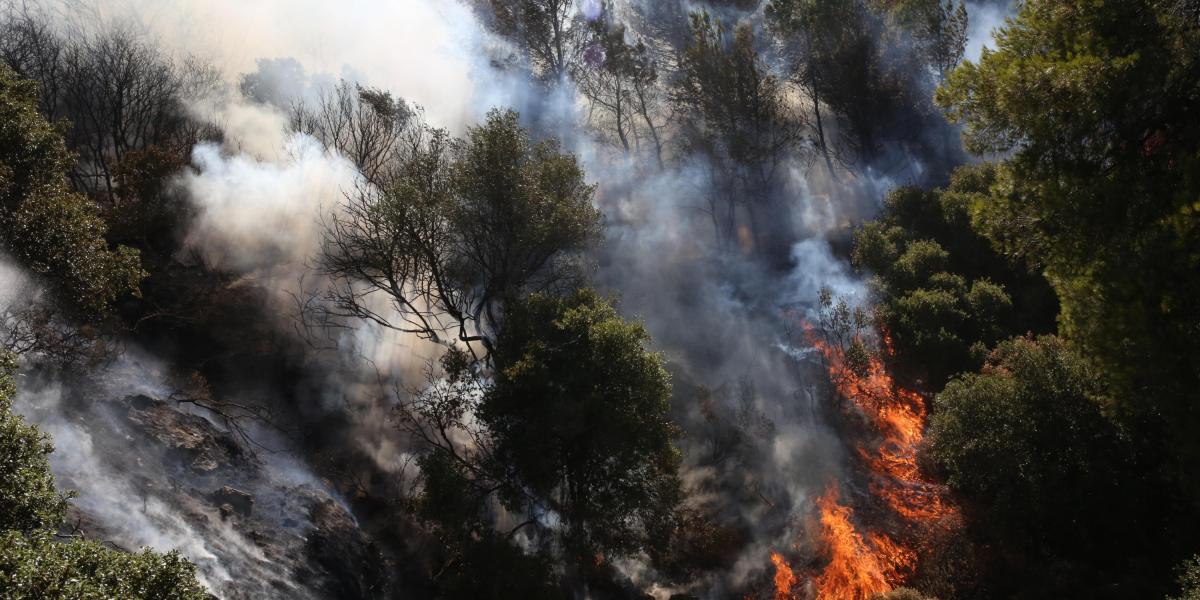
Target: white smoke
<point>264,219</point>
<point>256,215</point>
<point>137,494</point>
<point>983,19</point>
<point>419,48</point>
<point>132,513</point>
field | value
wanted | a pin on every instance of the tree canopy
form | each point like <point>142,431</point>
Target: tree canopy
<point>579,411</point>
<point>1027,442</point>
<point>54,232</point>
<point>462,225</point>
<point>1093,105</point>
<point>943,293</point>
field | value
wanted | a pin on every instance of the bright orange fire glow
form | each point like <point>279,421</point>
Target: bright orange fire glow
<point>898,415</point>
<point>858,568</point>
<point>785,578</point>
<point>862,565</point>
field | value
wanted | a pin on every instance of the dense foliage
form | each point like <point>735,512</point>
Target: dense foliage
<point>1096,103</point>
<point>27,494</point>
<point>942,292</point>
<point>579,409</point>
<point>38,566</point>
<point>54,231</point>
<point>573,425</point>
<point>1026,443</point>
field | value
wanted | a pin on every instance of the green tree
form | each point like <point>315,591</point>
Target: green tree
<point>27,494</point>
<point>1058,489</point>
<point>458,483</point>
<point>52,231</point>
<point>579,412</point>
<point>942,291</point>
<point>37,566</point>
<point>32,563</point>
<point>571,433</point>
<point>1094,105</point>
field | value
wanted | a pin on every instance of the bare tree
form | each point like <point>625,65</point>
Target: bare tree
<point>116,91</point>
<point>238,418</point>
<point>367,126</point>
<point>121,94</point>
<point>27,327</point>
<point>34,51</point>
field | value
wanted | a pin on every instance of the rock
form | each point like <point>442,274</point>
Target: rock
<point>141,401</point>
<point>192,438</point>
<point>351,564</point>
<point>237,501</point>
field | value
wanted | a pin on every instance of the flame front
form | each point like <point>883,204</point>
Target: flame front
<point>862,565</point>
<point>858,568</point>
<point>785,578</point>
<point>898,416</point>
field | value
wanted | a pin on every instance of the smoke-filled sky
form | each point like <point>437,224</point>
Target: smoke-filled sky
<point>421,49</point>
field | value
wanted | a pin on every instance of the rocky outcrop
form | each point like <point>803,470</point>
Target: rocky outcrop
<point>236,500</point>
<point>197,442</point>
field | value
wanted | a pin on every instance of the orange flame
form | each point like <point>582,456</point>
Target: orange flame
<point>859,567</point>
<point>863,565</point>
<point>785,578</point>
<point>898,415</point>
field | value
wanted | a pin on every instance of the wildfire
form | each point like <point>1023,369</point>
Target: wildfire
<point>898,415</point>
<point>862,565</point>
<point>858,568</point>
<point>785,578</point>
